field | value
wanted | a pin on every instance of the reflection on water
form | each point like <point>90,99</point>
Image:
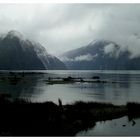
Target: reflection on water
<point>116,127</point>
<point>23,87</point>
<point>35,88</point>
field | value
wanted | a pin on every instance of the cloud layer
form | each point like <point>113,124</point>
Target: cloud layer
<point>112,50</point>
<point>86,57</point>
<point>62,27</point>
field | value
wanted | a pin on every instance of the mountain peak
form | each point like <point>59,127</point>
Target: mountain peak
<point>23,54</point>
<point>14,33</point>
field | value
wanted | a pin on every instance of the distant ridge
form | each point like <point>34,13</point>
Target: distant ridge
<point>100,55</point>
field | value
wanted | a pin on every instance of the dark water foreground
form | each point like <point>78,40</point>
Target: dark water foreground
<point>24,118</point>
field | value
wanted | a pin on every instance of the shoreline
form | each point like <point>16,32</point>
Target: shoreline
<point>24,118</point>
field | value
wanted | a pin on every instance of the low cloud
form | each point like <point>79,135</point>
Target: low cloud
<point>87,57</point>
<point>133,46</point>
<point>112,50</point>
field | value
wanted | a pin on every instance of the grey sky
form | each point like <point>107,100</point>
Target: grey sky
<point>62,27</point>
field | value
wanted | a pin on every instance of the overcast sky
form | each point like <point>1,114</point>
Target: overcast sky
<point>62,27</point>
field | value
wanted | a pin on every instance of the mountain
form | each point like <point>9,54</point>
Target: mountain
<point>100,55</point>
<point>18,53</point>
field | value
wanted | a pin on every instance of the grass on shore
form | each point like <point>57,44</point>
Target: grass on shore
<point>24,118</point>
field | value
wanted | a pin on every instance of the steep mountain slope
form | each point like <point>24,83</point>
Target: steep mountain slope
<point>18,53</point>
<point>99,55</point>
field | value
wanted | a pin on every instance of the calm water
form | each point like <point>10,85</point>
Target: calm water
<point>35,88</point>
<point>127,88</point>
<point>116,127</point>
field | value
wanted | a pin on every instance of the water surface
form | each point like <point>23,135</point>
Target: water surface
<point>34,87</point>
<point>116,127</point>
